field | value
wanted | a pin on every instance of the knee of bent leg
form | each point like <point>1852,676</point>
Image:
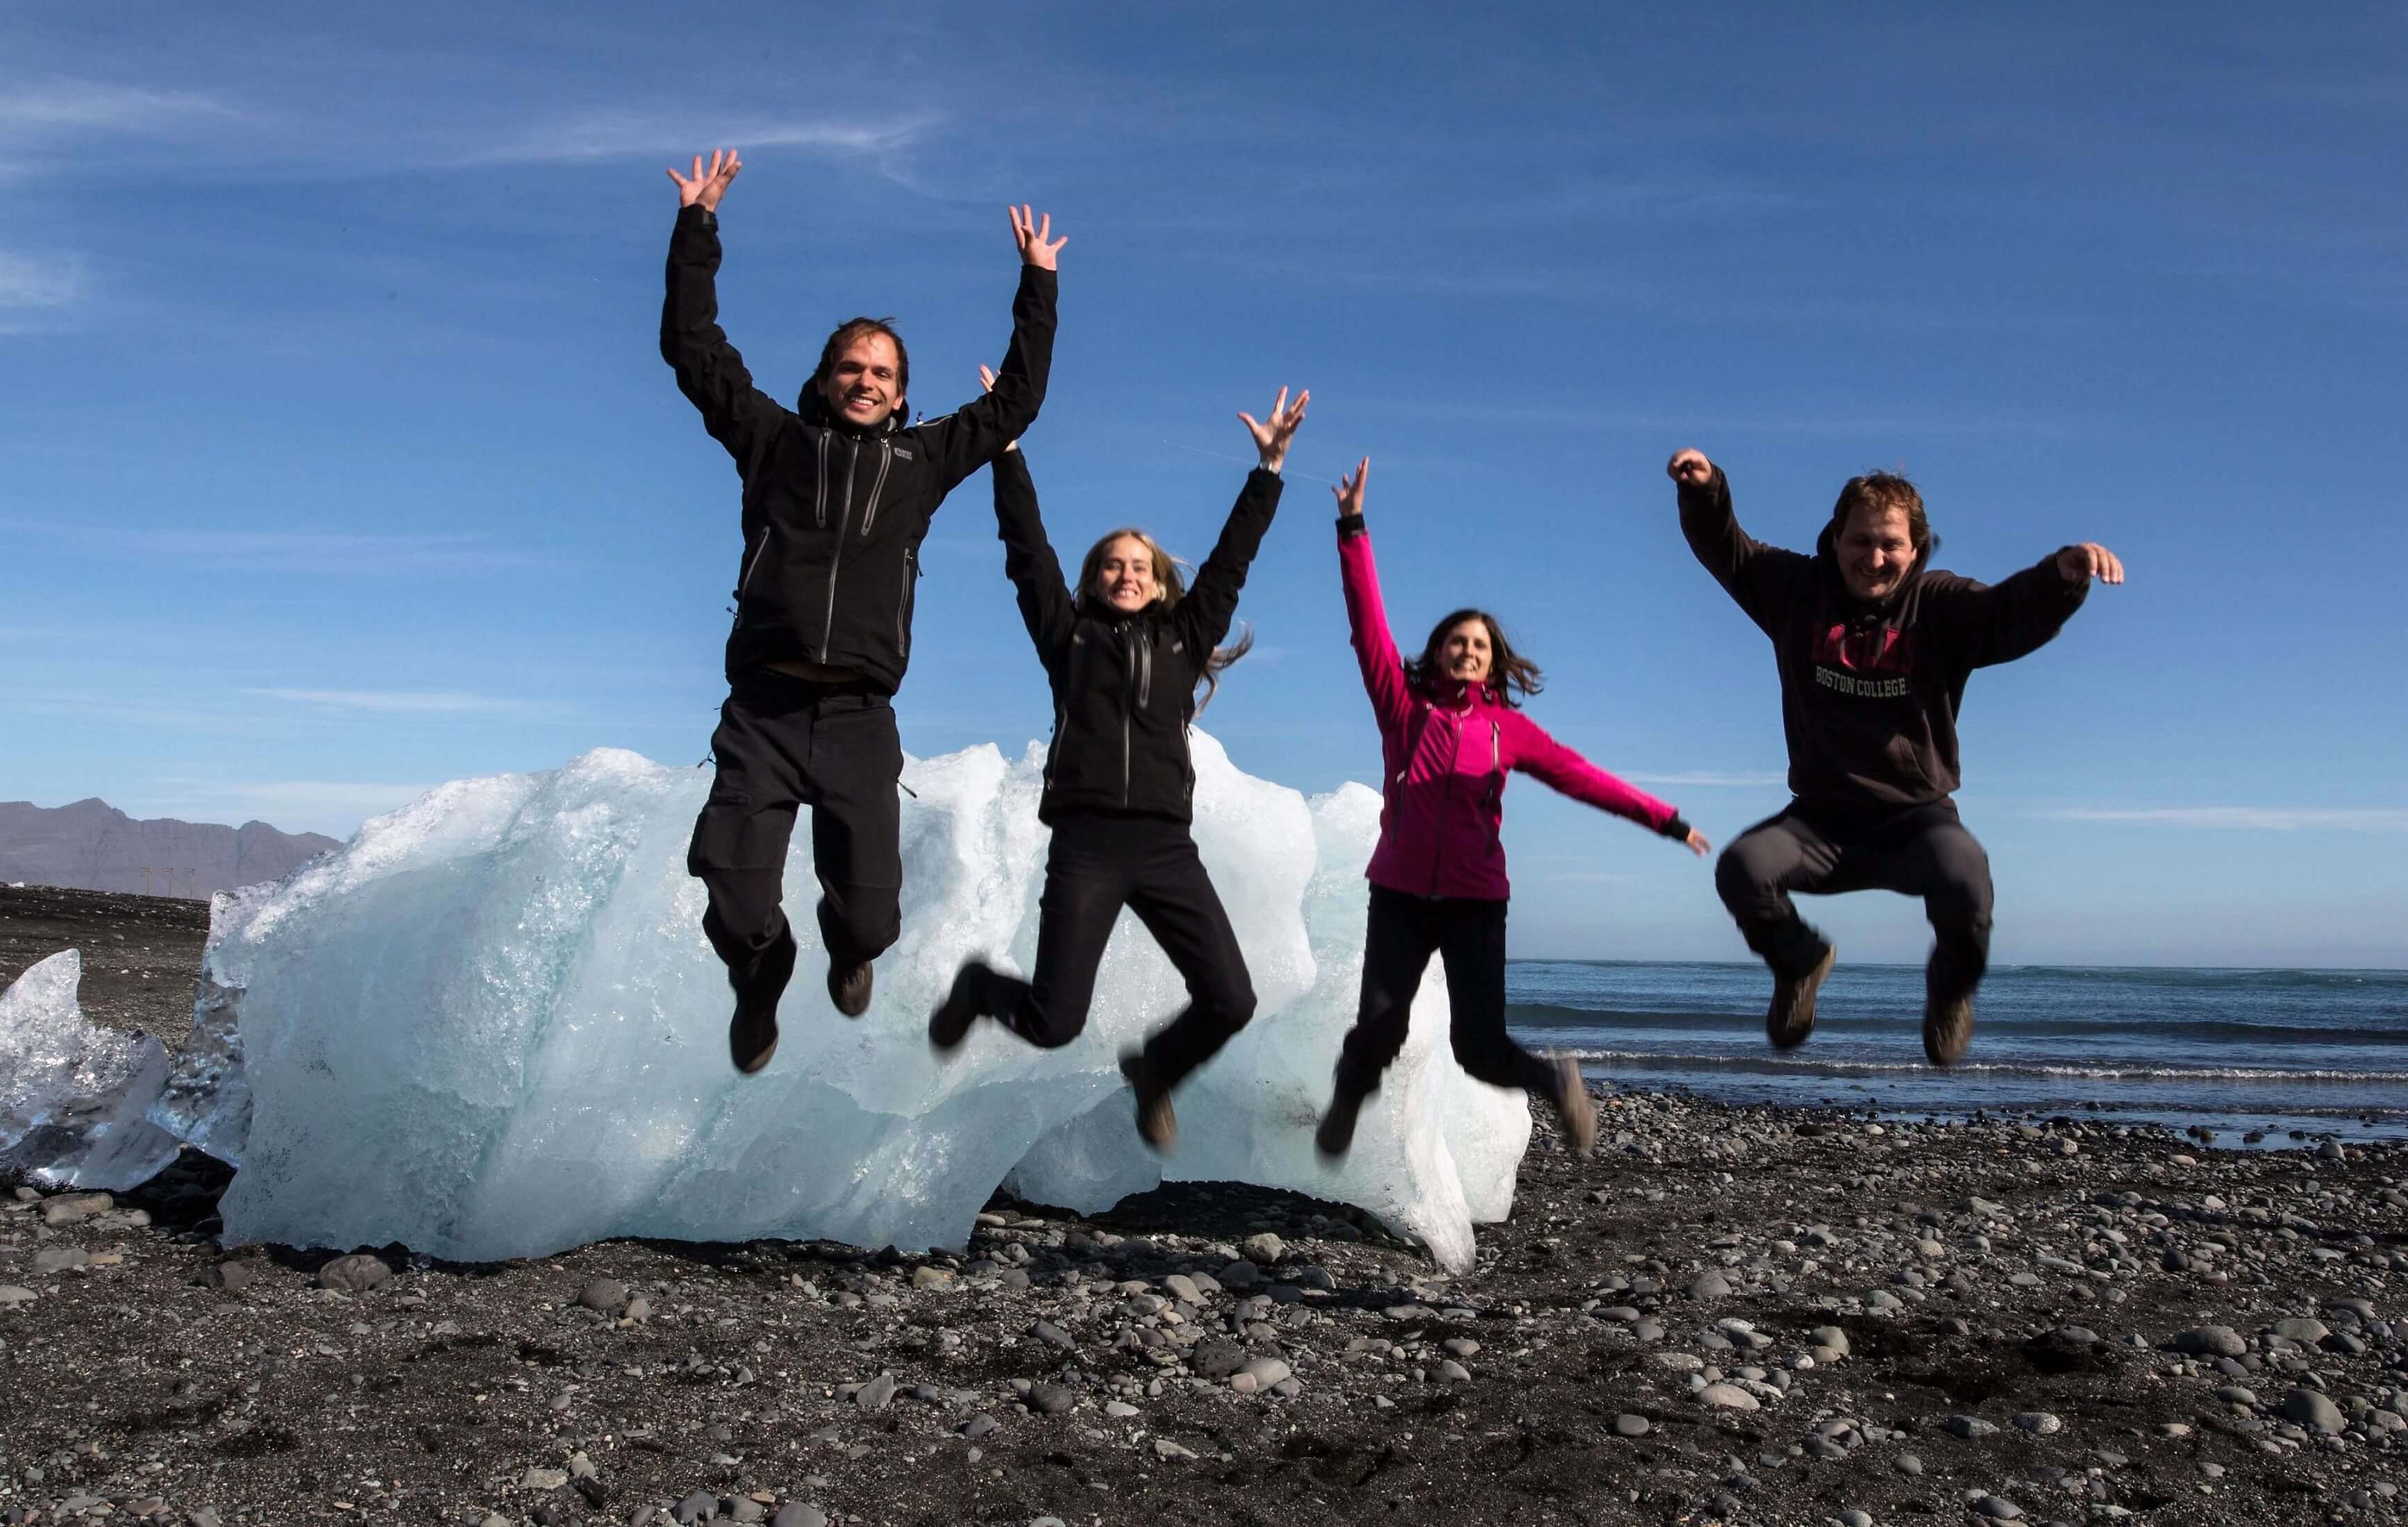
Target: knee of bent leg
<point>1738,876</point>
<point>1237,1004</point>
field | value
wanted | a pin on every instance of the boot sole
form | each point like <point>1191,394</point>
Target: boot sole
<point>1944,1044</point>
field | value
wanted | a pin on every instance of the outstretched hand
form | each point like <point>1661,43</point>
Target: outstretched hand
<point>1032,234</point>
<point>2088,560</point>
<point>1695,843</point>
<point>1349,491</point>
<point>703,187</point>
<point>1271,438</point>
<point>1690,468</point>
<point>986,381</point>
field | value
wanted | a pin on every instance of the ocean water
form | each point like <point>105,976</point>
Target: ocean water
<point>2234,1051</point>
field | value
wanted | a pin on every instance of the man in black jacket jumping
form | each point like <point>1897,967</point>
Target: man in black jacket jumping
<point>838,495</point>
<point>1874,650</point>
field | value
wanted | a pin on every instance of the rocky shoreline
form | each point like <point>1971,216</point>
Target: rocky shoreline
<point>1731,1314</point>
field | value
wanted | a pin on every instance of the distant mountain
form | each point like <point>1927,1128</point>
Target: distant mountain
<point>92,846</point>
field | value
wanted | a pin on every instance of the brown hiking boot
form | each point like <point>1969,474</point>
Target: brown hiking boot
<point>950,1024</point>
<point>1947,1029</point>
<point>1791,1016</point>
<point>1572,1100</point>
<point>1157,1124</point>
<point>849,988</point>
<point>752,1032</point>
<point>1336,1136</point>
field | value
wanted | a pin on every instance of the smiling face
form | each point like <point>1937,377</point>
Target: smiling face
<point>1125,577</point>
<point>1466,653</point>
<point>865,385</point>
<point>1876,551</point>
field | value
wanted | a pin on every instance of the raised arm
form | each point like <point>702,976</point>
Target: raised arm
<point>709,372</point>
<point>1211,603</point>
<point>1558,767</point>
<point>1028,559</point>
<point>1756,575</point>
<point>963,441</point>
<point>1367,617</point>
<point>1998,622</point>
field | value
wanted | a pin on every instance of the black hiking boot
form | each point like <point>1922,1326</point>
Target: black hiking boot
<point>849,987</point>
<point>1791,1016</point>
<point>1157,1124</point>
<point>950,1024</point>
<point>752,1034</point>
<point>1947,1029</point>
<point>1336,1136</point>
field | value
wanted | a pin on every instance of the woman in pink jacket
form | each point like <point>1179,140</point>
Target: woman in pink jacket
<point>1451,730</point>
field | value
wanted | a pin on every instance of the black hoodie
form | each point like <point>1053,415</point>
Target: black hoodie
<point>1124,686</point>
<point>834,514</point>
<point>1869,692</point>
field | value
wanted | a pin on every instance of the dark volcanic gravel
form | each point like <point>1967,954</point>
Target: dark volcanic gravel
<point>1726,1314</point>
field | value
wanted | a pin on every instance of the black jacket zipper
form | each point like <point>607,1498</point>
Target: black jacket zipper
<point>836,553</point>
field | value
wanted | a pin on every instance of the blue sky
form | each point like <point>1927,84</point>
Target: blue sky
<point>336,459</point>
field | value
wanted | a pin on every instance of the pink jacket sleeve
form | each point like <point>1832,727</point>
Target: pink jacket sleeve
<point>1559,768</point>
<point>1366,621</point>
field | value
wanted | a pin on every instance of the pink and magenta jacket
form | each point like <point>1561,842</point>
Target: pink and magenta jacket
<point>1444,763</point>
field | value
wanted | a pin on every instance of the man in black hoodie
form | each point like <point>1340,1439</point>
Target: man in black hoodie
<point>1874,649</point>
<point>838,495</point>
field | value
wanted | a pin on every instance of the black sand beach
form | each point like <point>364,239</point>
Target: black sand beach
<point>1726,1314</point>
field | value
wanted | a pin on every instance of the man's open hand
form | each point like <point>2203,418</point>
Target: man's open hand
<point>1035,237</point>
<point>1690,468</point>
<point>703,187</point>
<point>2088,560</point>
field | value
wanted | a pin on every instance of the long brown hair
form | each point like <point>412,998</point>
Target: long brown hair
<point>1174,587</point>
<point>1508,672</point>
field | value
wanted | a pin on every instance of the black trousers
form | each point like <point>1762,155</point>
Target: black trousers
<point>1920,851</point>
<point>784,742</point>
<point>1470,935</point>
<point>1097,865</point>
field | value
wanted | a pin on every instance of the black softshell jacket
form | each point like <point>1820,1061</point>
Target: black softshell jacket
<point>1869,692</point>
<point>834,515</point>
<point>1124,686</point>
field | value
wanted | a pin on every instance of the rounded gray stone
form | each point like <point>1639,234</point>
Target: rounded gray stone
<point>2211,1342</point>
<point>1727,1397</point>
<point>797,1514</point>
<point>1630,1425</point>
<point>355,1273</point>
<point>2314,1411</point>
<point>1710,1285</point>
<point>606,1296</point>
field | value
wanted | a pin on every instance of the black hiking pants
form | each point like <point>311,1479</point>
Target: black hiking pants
<point>785,742</point>
<point>1919,850</point>
<point>1098,864</point>
<point>1470,935</point>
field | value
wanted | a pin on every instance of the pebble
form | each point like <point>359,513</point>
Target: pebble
<point>1217,1359</point>
<point>1120,1409</point>
<point>11,1293</point>
<point>543,1479</point>
<point>1630,1425</point>
<point>1998,1509</point>
<point>1051,1399</point>
<point>876,1394</point>
<point>2040,1423</point>
<point>699,1506</point>
<point>1051,1334</point>
<point>931,1278</point>
<point>59,1259</point>
<point>2306,1330</point>
<point>1727,1397</point>
<point>1182,1288</point>
<point>1710,1285</point>
<point>1907,1463</point>
<point>2314,1411</point>
<point>1830,1338</point>
<point>797,1514</point>
<point>977,1426</point>
<point>1856,1518</point>
<point>1264,1249</point>
<point>2211,1342</point>
<point>1973,1428</point>
<point>1164,1447</point>
<point>1453,1372</point>
<point>605,1296</point>
<point>355,1273</point>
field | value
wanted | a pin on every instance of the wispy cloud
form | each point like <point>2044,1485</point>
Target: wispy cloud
<point>289,551</point>
<point>335,807</point>
<point>1709,780</point>
<point>402,701</point>
<point>622,136</point>
<point>28,282</point>
<point>2245,818</point>
<point>82,106</point>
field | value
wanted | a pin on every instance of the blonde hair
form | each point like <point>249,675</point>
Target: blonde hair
<point>1172,588</point>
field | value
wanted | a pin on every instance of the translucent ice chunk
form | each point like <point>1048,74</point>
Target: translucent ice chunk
<point>72,1094</point>
<point>489,1027</point>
